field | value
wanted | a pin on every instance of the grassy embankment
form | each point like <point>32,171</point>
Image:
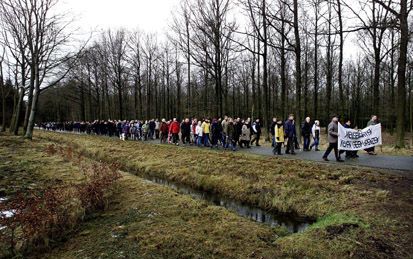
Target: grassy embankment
<point>360,212</point>
<point>143,220</point>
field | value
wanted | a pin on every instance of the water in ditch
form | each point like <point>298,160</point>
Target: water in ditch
<point>293,223</point>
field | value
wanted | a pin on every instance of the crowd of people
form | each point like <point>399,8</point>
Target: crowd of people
<point>227,133</point>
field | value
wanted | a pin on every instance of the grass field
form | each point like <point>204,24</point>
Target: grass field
<point>360,212</point>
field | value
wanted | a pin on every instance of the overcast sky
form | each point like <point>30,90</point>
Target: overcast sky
<point>147,15</point>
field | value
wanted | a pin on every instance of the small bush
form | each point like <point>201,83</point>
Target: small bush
<point>100,179</point>
<point>33,218</point>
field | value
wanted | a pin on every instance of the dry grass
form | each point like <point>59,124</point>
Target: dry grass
<point>365,212</point>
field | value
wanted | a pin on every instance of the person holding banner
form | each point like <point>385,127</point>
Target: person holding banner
<point>349,153</point>
<point>372,122</point>
<point>359,139</point>
<point>332,140</point>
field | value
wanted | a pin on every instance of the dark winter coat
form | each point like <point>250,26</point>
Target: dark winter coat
<point>306,130</point>
<point>289,128</point>
<point>186,128</point>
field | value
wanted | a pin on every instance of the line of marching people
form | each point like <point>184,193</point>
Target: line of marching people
<point>227,133</point>
<point>215,133</point>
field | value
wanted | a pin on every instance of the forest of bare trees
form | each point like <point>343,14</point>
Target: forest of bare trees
<point>248,58</point>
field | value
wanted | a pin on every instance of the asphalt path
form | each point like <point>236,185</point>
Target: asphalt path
<point>397,163</point>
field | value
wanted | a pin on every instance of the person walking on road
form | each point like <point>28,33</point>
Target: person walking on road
<point>174,130</point>
<point>332,140</point>
<point>245,136</point>
<point>290,134</point>
<point>164,131</point>
<point>198,134</point>
<point>206,129</point>
<point>278,136</point>
<point>349,154</point>
<point>256,130</point>
<point>306,131</point>
<point>372,121</point>
<point>315,132</point>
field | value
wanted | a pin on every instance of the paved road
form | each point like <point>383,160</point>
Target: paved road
<point>402,163</point>
<point>399,163</point>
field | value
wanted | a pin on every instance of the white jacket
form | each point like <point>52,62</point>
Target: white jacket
<point>314,128</point>
<point>198,130</point>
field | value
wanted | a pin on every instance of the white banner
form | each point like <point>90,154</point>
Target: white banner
<point>351,139</point>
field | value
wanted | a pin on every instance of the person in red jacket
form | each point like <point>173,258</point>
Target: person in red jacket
<point>174,130</point>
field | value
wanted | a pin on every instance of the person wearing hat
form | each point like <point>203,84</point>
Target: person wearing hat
<point>332,139</point>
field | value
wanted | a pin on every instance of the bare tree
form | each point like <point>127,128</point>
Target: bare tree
<point>45,36</point>
<point>401,21</point>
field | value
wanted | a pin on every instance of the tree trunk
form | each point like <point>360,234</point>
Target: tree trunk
<point>401,75</point>
<point>297,50</point>
<point>315,97</point>
<point>340,61</point>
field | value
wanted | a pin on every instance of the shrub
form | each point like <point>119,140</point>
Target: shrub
<point>33,218</point>
<point>100,179</point>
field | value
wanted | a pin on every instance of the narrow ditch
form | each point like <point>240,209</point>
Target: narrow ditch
<point>292,223</point>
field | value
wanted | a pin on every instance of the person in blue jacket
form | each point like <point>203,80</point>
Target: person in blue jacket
<point>290,133</point>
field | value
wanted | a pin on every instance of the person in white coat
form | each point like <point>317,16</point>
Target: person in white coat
<point>315,132</point>
<point>198,134</point>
